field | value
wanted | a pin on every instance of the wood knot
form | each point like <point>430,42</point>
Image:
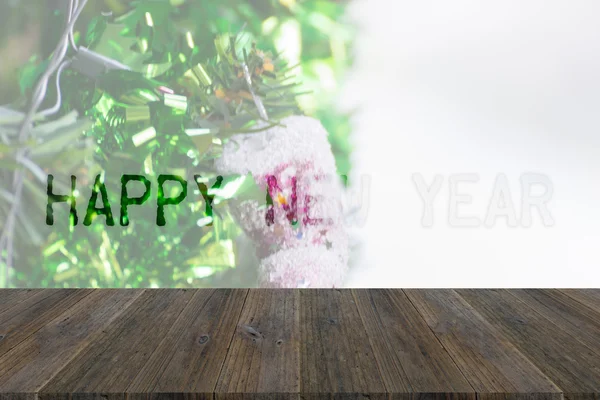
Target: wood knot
<point>253,333</point>
<point>203,339</point>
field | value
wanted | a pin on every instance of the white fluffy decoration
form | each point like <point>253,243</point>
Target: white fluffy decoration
<point>312,252</point>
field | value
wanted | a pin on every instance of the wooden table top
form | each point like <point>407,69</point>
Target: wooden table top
<point>301,344</point>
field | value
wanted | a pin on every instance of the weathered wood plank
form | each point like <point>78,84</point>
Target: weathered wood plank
<point>486,357</point>
<point>566,313</point>
<point>190,358</point>
<point>568,363</point>
<point>114,359</point>
<point>18,302</point>
<point>264,357</point>
<point>298,344</point>
<point>410,357</point>
<point>335,354</point>
<point>31,364</point>
<point>33,312</point>
<point>11,297</point>
<point>588,297</point>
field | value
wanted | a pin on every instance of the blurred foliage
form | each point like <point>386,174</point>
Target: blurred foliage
<point>172,42</point>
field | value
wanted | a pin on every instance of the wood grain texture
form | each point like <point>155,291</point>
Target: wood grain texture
<point>11,297</point>
<point>571,365</point>
<point>487,359</point>
<point>336,355</point>
<point>588,297</point>
<point>31,364</point>
<point>116,356</point>
<point>259,344</point>
<point>33,312</point>
<point>191,357</point>
<point>410,357</point>
<point>264,356</point>
<point>565,313</point>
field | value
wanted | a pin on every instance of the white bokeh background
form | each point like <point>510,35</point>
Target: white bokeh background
<point>483,87</point>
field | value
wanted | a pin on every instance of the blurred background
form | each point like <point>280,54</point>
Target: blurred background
<point>403,87</point>
<point>487,88</point>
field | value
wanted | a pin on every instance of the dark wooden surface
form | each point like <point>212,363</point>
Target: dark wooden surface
<point>299,344</point>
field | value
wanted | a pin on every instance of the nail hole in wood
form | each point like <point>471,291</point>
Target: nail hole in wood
<point>332,321</point>
<point>2,337</point>
<point>279,342</point>
<point>203,339</point>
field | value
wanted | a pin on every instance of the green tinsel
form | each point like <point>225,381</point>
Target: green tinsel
<point>185,94</point>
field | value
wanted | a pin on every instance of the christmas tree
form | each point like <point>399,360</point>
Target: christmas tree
<point>154,88</point>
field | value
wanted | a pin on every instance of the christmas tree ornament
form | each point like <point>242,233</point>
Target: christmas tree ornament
<point>298,228</point>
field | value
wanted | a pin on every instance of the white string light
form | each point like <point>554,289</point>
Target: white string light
<point>73,5</point>
<point>53,110</point>
<point>57,64</point>
<point>59,54</point>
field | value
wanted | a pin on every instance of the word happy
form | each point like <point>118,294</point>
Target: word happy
<point>99,189</point>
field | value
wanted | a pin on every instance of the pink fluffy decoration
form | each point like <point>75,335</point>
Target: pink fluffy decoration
<point>299,234</point>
